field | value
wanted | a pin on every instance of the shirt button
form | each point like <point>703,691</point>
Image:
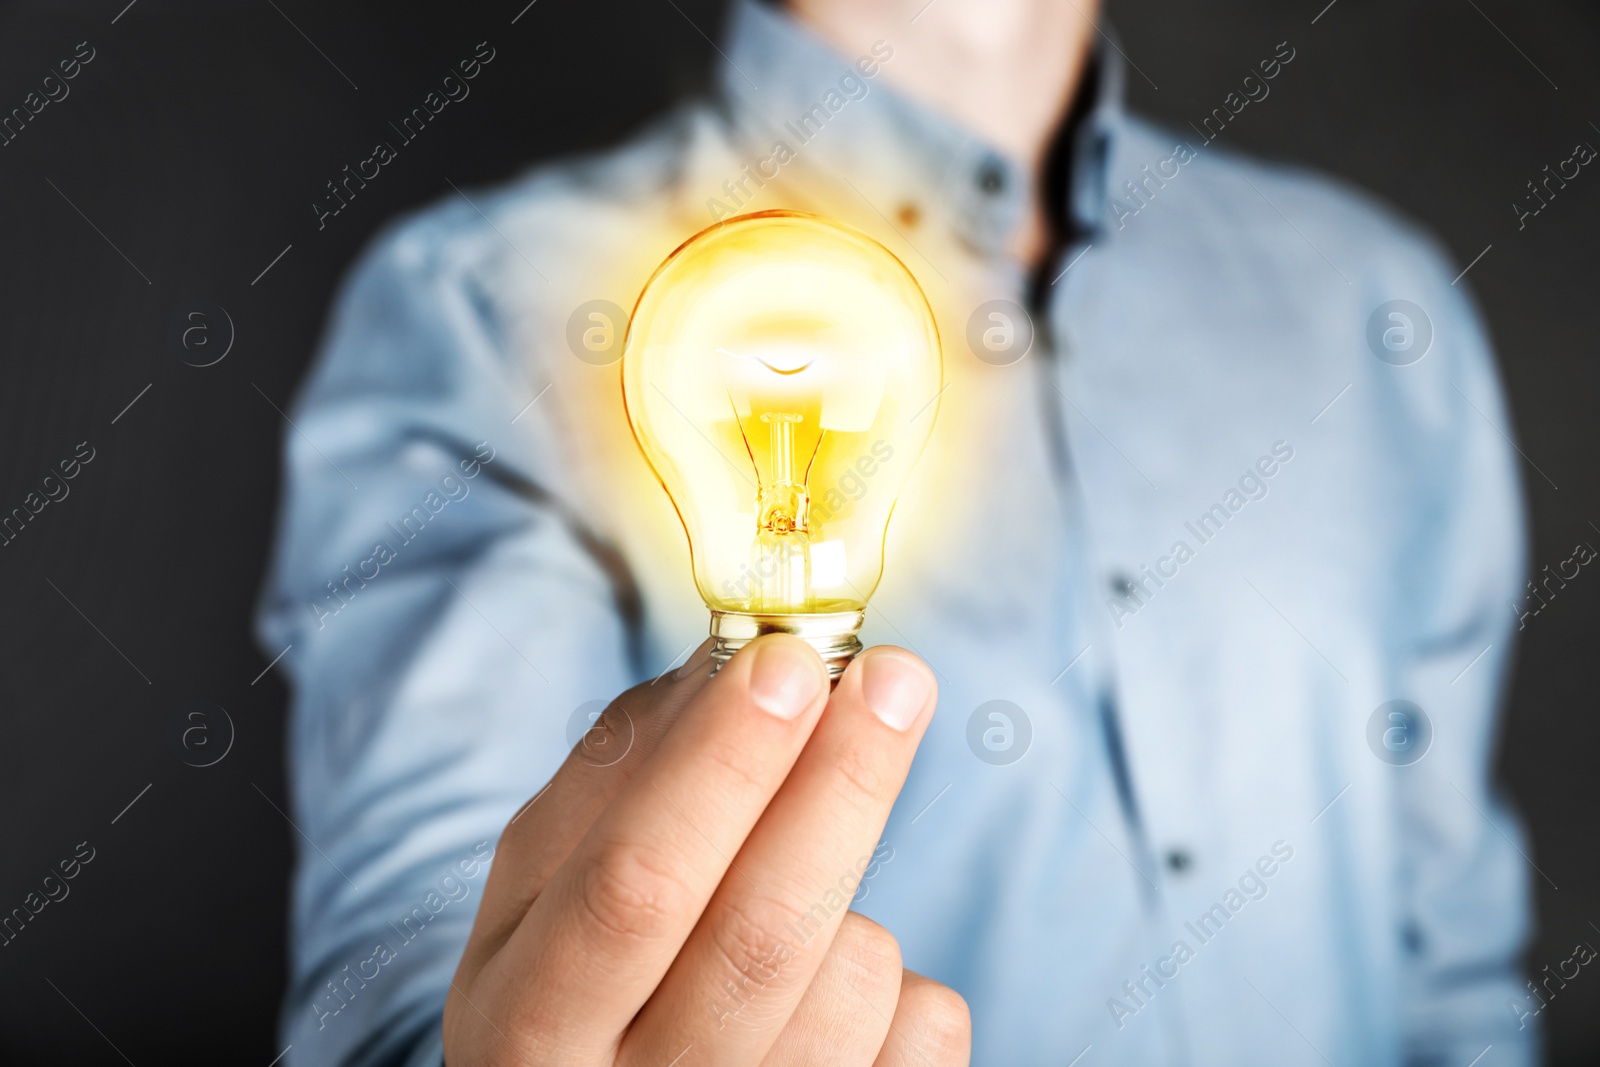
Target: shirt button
<point>1178,860</point>
<point>1122,585</point>
<point>991,177</point>
<point>909,214</point>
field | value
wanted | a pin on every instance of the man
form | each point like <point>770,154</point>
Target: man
<point>1183,535</point>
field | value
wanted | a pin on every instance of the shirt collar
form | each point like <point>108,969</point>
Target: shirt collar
<point>892,150</point>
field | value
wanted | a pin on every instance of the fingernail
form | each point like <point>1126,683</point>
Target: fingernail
<point>784,679</point>
<point>895,689</point>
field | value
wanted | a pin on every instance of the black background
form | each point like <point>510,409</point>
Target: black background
<point>197,140</point>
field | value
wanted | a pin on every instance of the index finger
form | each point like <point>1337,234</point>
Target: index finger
<point>757,948</point>
<point>545,830</point>
<point>621,907</point>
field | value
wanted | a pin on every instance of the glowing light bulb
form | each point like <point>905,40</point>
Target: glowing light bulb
<point>782,373</point>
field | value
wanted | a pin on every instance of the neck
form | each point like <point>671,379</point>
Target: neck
<point>1004,69</point>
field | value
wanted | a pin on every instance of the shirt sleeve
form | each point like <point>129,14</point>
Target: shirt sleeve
<point>440,615</point>
<point>1464,881</point>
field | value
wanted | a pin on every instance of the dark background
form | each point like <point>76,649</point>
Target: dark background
<point>197,140</point>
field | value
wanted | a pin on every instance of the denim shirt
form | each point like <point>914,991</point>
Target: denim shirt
<point>1180,538</point>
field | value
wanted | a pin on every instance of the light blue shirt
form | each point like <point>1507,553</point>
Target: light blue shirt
<point>1194,540</point>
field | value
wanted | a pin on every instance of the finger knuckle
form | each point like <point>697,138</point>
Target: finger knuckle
<point>859,775</point>
<point>871,953</point>
<point>630,893</point>
<point>737,764</point>
<point>940,1021</point>
<point>748,937</point>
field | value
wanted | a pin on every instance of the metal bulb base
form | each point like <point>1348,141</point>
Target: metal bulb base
<point>833,635</point>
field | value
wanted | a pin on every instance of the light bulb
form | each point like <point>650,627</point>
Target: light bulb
<point>781,373</point>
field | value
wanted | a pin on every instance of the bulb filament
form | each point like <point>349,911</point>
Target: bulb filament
<point>782,547</point>
<point>782,500</point>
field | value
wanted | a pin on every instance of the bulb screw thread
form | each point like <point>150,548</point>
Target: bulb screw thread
<point>833,634</point>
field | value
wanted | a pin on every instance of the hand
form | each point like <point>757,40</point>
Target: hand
<point>687,904</point>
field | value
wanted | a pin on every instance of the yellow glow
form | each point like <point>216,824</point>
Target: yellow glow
<point>782,373</point>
